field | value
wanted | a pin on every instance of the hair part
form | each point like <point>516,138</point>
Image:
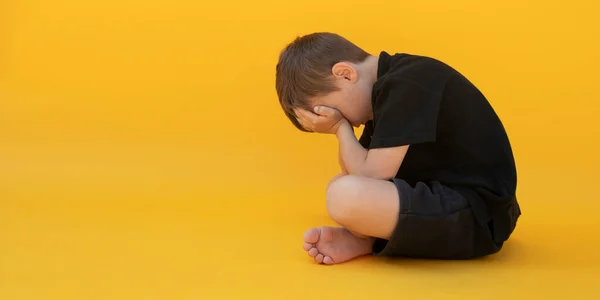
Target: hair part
<point>304,69</point>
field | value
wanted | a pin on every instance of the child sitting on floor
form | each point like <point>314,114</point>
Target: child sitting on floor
<point>433,174</point>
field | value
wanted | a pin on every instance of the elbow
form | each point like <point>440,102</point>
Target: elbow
<point>380,176</point>
<point>375,174</point>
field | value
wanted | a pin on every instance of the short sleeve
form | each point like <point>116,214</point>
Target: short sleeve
<point>405,113</point>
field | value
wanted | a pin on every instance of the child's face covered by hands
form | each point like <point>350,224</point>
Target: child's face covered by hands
<point>323,120</point>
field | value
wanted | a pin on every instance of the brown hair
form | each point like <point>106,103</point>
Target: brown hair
<point>304,69</point>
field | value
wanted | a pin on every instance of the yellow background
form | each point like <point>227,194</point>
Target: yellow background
<point>143,154</point>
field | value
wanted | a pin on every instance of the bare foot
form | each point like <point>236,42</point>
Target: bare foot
<point>334,245</point>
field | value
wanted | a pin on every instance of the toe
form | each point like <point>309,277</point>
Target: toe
<point>307,246</point>
<point>319,258</point>
<point>313,252</point>
<point>328,260</point>
<point>311,236</point>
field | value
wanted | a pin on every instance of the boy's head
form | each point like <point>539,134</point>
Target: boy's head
<point>326,69</point>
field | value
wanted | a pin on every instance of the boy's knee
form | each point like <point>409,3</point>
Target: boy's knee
<point>342,198</point>
<point>334,179</point>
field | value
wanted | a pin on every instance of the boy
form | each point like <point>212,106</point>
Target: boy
<point>433,174</point>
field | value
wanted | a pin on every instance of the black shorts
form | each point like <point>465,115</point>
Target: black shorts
<point>435,222</point>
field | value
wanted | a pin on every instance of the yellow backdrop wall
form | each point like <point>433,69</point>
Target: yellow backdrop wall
<point>143,154</point>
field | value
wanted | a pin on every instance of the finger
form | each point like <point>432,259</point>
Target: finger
<point>307,115</point>
<point>301,117</point>
<point>326,111</point>
<point>311,123</point>
<point>305,125</point>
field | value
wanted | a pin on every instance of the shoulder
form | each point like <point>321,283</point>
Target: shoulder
<point>406,65</point>
<point>410,64</point>
<point>404,70</point>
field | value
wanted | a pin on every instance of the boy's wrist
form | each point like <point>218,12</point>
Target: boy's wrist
<point>344,125</point>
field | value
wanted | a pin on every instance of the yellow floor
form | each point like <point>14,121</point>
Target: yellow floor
<point>143,154</point>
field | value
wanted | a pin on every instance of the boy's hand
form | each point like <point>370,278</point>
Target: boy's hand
<point>324,120</point>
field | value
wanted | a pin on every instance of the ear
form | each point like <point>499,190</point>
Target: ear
<point>345,71</point>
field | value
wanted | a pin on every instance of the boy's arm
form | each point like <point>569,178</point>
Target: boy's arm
<point>381,163</point>
<point>341,162</point>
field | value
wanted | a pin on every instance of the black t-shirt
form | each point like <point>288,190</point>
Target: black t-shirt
<point>455,136</point>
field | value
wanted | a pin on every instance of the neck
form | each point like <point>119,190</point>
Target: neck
<point>371,65</point>
<point>370,68</point>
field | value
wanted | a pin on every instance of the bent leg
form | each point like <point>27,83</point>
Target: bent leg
<point>330,245</point>
<point>427,220</point>
<point>365,206</point>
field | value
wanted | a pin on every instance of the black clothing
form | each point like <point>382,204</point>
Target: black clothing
<point>458,145</point>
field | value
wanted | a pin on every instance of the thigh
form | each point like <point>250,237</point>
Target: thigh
<point>434,222</point>
<point>364,205</point>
